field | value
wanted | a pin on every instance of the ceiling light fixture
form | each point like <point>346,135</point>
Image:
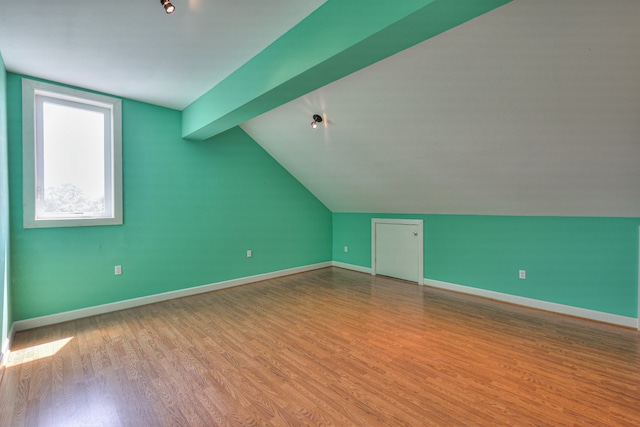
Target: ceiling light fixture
<point>316,119</point>
<point>168,7</point>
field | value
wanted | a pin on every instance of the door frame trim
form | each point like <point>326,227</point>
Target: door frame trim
<point>418,222</point>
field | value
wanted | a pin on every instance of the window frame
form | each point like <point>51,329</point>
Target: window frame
<point>32,147</point>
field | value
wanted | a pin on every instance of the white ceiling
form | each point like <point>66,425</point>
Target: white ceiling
<point>133,49</point>
<point>531,109</point>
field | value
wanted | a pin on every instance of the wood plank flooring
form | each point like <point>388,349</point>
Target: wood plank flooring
<point>326,348</point>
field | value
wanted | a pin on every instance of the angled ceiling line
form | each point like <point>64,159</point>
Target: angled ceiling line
<point>333,42</point>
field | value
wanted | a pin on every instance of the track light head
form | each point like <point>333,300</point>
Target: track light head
<point>316,119</point>
<point>168,7</point>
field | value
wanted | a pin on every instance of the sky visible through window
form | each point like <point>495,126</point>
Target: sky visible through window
<point>73,156</point>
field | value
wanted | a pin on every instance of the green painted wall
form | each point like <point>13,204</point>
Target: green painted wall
<point>590,263</point>
<point>5,309</point>
<point>191,210</point>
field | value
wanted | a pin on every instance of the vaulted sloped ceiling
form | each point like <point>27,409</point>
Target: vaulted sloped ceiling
<point>526,108</point>
<point>531,109</point>
<point>131,48</point>
<point>340,37</point>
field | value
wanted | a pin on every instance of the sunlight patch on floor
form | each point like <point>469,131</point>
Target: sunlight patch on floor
<point>36,352</point>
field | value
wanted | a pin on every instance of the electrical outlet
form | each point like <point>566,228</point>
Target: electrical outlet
<point>249,253</point>
<point>523,274</point>
<point>118,270</point>
<point>346,249</point>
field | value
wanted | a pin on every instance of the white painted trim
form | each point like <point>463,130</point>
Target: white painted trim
<point>351,267</point>
<point>534,303</point>
<point>36,322</point>
<point>4,355</point>
<point>31,89</point>
<point>418,222</point>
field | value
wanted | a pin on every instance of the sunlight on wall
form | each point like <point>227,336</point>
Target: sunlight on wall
<point>36,352</point>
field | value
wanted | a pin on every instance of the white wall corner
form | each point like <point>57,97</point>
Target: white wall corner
<point>4,354</point>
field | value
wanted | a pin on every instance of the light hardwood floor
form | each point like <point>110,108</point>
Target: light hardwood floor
<point>328,347</point>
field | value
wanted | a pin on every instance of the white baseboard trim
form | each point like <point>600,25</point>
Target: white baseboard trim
<point>52,319</point>
<point>351,267</point>
<point>4,354</point>
<point>538,304</point>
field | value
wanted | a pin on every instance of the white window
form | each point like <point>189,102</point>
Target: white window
<point>72,157</point>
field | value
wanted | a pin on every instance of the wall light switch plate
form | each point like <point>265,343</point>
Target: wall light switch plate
<point>249,253</point>
<point>346,249</point>
<point>523,274</point>
<point>118,270</point>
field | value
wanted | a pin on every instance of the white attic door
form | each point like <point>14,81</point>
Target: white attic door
<point>397,248</point>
